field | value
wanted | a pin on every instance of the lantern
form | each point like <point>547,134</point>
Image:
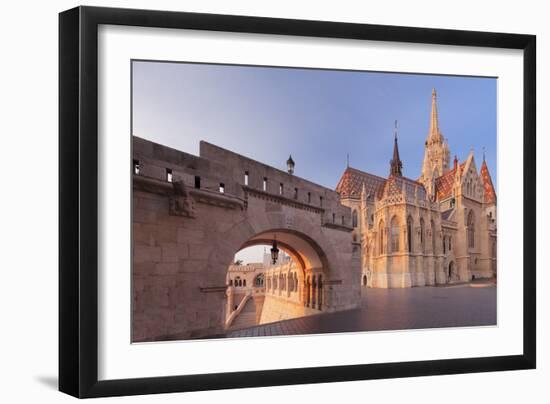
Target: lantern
<point>274,252</point>
<point>290,165</point>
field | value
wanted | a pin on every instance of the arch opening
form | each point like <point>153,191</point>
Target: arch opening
<point>283,284</point>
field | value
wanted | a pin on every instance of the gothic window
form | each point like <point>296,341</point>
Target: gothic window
<point>230,282</point>
<point>244,282</point>
<point>409,234</point>
<point>237,281</point>
<point>422,234</point>
<point>450,245</point>
<point>394,224</point>
<point>354,218</point>
<point>381,248</point>
<point>169,175</point>
<point>246,178</point>
<point>471,230</point>
<point>265,184</point>
<point>444,245</point>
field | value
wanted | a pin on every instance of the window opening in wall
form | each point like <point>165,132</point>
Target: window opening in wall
<point>281,188</point>
<point>169,174</point>
<point>246,178</point>
<point>136,167</point>
<point>309,197</point>
<point>265,184</point>
<point>197,182</point>
<point>222,187</point>
<point>295,193</point>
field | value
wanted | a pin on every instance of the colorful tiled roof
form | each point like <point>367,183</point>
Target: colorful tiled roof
<point>394,186</point>
<point>444,183</point>
<point>490,194</point>
<point>352,180</point>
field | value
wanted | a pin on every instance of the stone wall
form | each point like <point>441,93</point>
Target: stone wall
<point>186,233</point>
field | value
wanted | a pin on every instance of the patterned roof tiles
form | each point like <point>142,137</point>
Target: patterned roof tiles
<point>394,186</point>
<point>490,194</point>
<point>444,183</point>
<point>352,180</point>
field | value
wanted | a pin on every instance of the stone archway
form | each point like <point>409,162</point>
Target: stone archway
<point>185,238</point>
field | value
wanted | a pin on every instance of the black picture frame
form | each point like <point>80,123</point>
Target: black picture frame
<point>78,201</point>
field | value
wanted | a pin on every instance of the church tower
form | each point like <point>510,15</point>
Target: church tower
<point>436,151</point>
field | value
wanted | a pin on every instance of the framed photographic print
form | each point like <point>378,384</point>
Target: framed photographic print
<point>242,197</point>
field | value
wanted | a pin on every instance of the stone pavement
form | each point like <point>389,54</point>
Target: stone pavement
<point>396,309</point>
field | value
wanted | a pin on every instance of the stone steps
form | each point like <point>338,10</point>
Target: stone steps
<point>246,318</point>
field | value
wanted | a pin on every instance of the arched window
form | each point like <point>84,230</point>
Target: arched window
<point>444,245</point>
<point>259,283</point>
<point>295,282</point>
<point>433,237</point>
<point>409,234</point>
<point>230,282</point>
<point>354,218</point>
<point>381,247</point>
<point>394,231</point>
<point>450,243</point>
<point>471,230</point>
<point>422,230</point>
<point>244,282</point>
<point>237,281</point>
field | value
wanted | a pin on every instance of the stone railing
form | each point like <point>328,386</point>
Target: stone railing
<point>238,310</point>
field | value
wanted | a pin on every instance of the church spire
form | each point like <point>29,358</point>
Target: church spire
<point>434,134</point>
<point>395,164</point>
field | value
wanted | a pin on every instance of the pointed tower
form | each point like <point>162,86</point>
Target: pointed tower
<point>395,164</point>
<point>436,149</point>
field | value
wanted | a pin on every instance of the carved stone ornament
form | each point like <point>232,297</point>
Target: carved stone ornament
<point>182,203</point>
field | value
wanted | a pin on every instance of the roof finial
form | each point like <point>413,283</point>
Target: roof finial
<point>395,130</point>
<point>484,154</point>
<point>347,160</point>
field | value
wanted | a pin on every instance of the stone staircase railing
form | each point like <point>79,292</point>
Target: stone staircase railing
<point>238,310</point>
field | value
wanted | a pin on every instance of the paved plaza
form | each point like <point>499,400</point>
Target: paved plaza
<point>472,304</point>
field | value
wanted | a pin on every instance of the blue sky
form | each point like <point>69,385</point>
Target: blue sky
<point>318,116</point>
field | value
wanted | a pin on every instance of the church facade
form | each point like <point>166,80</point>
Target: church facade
<point>440,228</point>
